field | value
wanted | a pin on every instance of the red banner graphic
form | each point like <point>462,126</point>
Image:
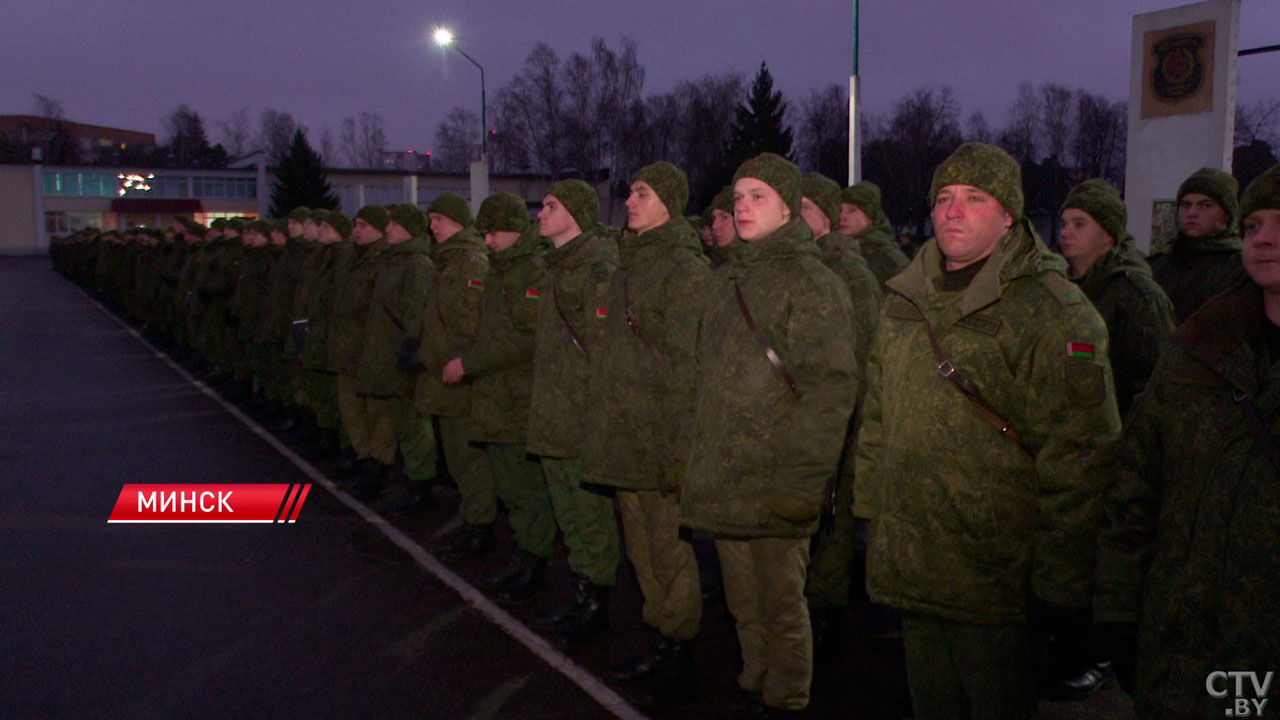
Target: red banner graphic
<point>209,503</point>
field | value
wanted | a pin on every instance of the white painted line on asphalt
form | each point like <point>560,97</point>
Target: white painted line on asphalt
<point>580,676</point>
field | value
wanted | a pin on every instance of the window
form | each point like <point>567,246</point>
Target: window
<point>63,223</point>
<point>70,184</point>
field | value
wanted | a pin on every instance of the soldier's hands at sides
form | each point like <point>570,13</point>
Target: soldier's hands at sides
<point>408,360</point>
<point>453,371</point>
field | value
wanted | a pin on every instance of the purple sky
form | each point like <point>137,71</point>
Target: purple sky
<point>128,64</point>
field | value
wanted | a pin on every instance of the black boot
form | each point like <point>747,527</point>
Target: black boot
<point>370,480</point>
<point>672,678</point>
<point>414,498</point>
<point>495,579</point>
<point>475,542</point>
<point>305,432</point>
<point>554,618</point>
<point>641,664</point>
<point>527,583</point>
<point>284,419</point>
<point>589,616</point>
<point>326,445</point>
<point>828,632</point>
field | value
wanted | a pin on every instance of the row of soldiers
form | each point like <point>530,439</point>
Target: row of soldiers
<point>735,386</point>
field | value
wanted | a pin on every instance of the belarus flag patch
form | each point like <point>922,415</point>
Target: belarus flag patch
<point>532,294</point>
<point>477,284</point>
<point>1079,350</point>
<point>602,313</point>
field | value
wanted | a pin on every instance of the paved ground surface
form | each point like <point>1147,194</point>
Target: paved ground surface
<point>341,615</point>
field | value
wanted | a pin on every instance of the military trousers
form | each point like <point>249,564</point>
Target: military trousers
<point>266,371</point>
<point>416,436</point>
<point>470,469</point>
<point>764,589</point>
<point>321,389</point>
<point>523,490</point>
<point>664,562</point>
<point>367,421</point>
<point>960,671</point>
<point>835,551</point>
<point>586,520</point>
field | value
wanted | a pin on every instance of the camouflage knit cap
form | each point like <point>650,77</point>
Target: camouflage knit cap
<point>218,224</point>
<point>338,221</point>
<point>669,182</point>
<point>580,199</point>
<point>1262,194</point>
<point>1102,203</point>
<point>454,207</point>
<point>985,167</point>
<point>235,225</point>
<point>197,229</point>
<point>300,214</point>
<point>260,226</point>
<point>280,226</point>
<point>503,212</point>
<point>823,192</point>
<point>410,217</point>
<point>723,201</point>
<point>182,220</point>
<point>1218,185</point>
<point>778,173</point>
<point>375,215</point>
<point>865,196</point>
<point>706,218</point>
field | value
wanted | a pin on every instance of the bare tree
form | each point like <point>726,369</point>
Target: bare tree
<point>362,143</point>
<point>1259,120</point>
<point>920,134</point>
<point>1056,103</point>
<point>977,129</point>
<point>1098,149</point>
<point>456,139</point>
<point>275,134</point>
<point>47,107</point>
<point>1022,137</point>
<point>823,142</point>
<point>235,134</point>
<point>530,115</point>
<point>327,152</point>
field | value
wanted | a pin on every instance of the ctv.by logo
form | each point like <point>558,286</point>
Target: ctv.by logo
<point>1218,684</point>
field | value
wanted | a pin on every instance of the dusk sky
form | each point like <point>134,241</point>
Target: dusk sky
<point>128,64</point>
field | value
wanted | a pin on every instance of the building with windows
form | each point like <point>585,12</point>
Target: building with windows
<point>26,138</point>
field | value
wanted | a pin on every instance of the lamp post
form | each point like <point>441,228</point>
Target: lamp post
<point>444,39</point>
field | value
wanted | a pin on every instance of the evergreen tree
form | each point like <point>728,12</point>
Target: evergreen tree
<point>301,180</point>
<point>758,126</point>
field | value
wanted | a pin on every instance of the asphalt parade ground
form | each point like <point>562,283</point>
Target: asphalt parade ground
<point>342,614</point>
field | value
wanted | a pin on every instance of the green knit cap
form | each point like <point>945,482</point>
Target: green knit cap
<point>503,212</point>
<point>235,225</point>
<point>580,199</point>
<point>454,207</point>
<point>197,229</point>
<point>280,226</point>
<point>410,217</point>
<point>723,201</point>
<point>778,173</point>
<point>865,196</point>
<point>669,182</point>
<point>823,192</point>
<point>300,214</point>
<point>1262,194</point>
<point>1218,185</point>
<point>985,167</point>
<point>218,224</point>
<point>1102,203</point>
<point>375,215</point>
<point>260,226</point>
<point>337,220</point>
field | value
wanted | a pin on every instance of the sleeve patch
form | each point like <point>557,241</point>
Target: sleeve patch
<point>1086,384</point>
<point>475,284</point>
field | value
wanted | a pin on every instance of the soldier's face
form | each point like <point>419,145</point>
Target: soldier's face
<point>645,210</point>
<point>499,240</point>
<point>757,209</point>
<point>253,238</point>
<point>1261,250</point>
<point>443,227</point>
<point>968,223</point>
<point>364,233</point>
<point>555,222</point>
<point>1200,216</point>
<point>722,230</point>
<point>818,221</point>
<point>853,222</point>
<point>1082,240</point>
<point>396,233</point>
<point>295,227</point>
<point>327,234</point>
<point>310,230</point>
<point>278,238</point>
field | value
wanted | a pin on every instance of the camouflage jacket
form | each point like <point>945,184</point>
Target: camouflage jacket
<point>842,255</point>
<point>448,321</point>
<point>572,311</point>
<point>967,522</point>
<point>642,390</point>
<point>499,357</point>
<point>1191,546</point>
<point>272,324</point>
<point>762,454</point>
<point>248,299</point>
<point>1138,315</point>
<point>884,257</point>
<point>218,280</point>
<point>320,291</point>
<point>1193,270</point>
<point>406,277</point>
<point>301,255</point>
<point>350,319</point>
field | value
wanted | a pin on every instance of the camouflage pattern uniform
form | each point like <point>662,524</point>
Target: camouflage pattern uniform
<point>1193,270</point>
<point>367,424</point>
<point>883,254</point>
<point>318,290</point>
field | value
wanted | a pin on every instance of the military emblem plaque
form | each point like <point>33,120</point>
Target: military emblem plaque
<point>1178,70</point>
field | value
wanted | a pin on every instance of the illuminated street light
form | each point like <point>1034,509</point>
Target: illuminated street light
<point>444,38</point>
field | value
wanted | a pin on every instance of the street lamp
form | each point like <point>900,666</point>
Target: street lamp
<point>444,38</point>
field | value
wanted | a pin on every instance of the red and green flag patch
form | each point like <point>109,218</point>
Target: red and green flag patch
<point>477,284</point>
<point>1080,350</point>
<point>602,313</point>
<point>532,294</point>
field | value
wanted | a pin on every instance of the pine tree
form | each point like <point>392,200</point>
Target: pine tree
<point>758,126</point>
<point>301,180</point>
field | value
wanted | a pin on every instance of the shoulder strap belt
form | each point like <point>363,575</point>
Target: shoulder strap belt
<point>949,371</point>
<point>634,324</point>
<point>573,334</point>
<point>764,344</point>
